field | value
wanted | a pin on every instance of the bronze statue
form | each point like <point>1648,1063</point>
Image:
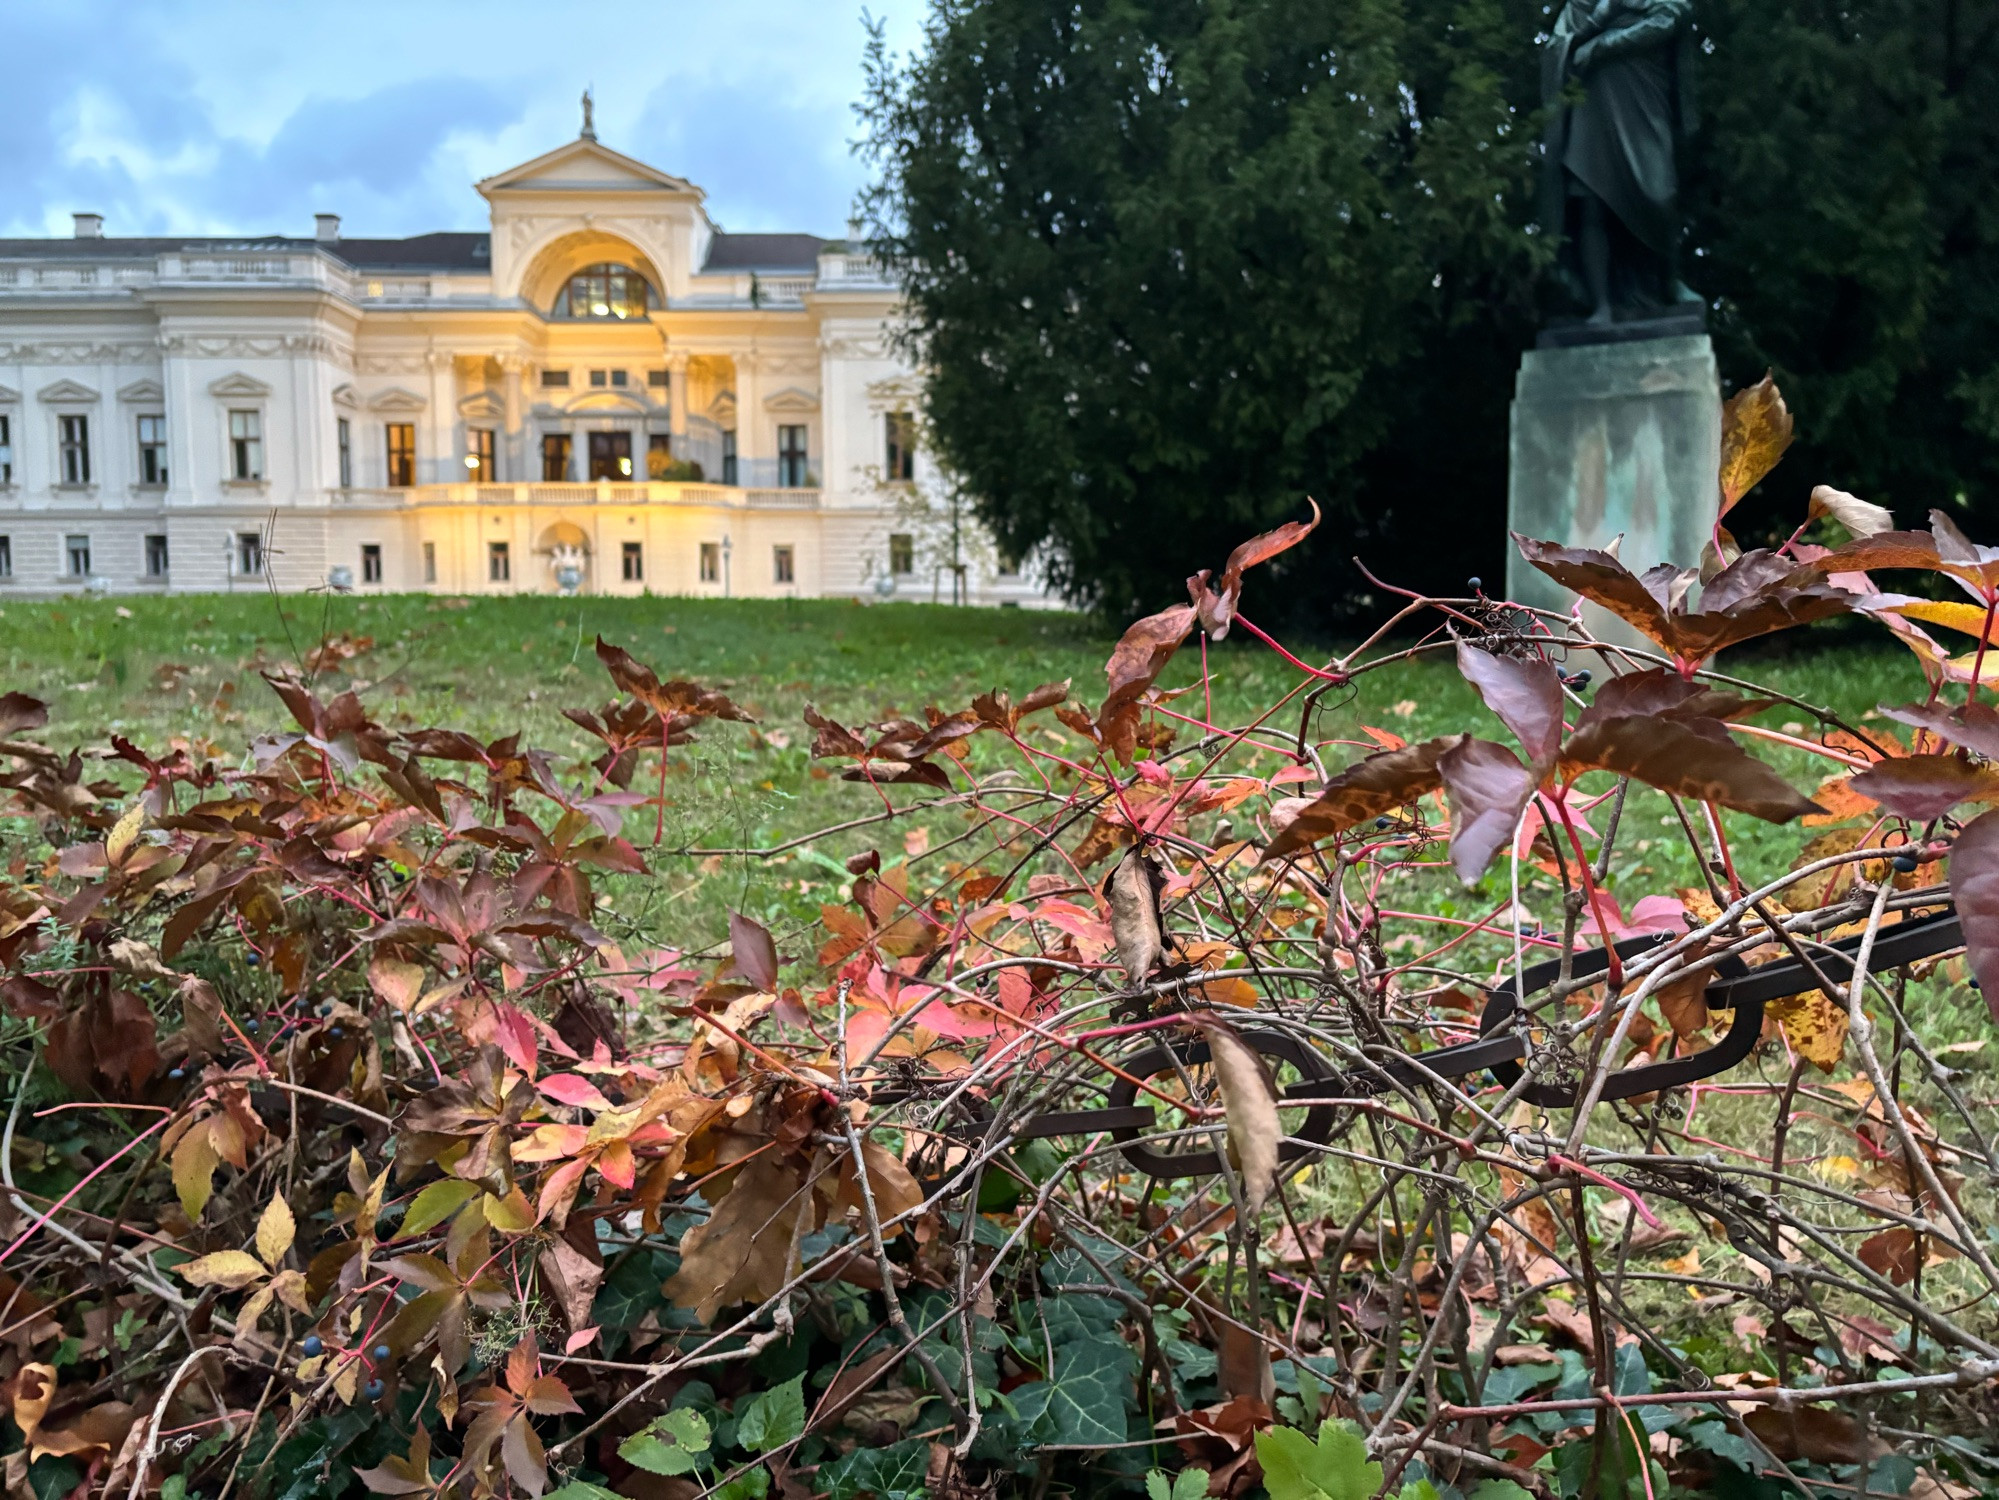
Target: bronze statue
<point>1610,178</point>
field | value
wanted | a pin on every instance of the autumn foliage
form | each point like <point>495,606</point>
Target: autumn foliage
<point>1141,1139</point>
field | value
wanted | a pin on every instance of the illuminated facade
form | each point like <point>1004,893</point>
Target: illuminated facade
<point>602,392</point>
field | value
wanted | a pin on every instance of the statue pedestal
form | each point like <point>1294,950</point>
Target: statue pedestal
<point>1608,438</point>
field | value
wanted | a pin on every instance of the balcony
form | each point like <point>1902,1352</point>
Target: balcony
<point>603,492</point>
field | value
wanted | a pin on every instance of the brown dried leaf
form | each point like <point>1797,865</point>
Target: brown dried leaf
<point>1134,903</point>
<point>743,1249</point>
<point>1366,789</point>
<point>1891,1253</point>
<point>1249,1097</point>
<point>1813,1025</point>
<point>1687,758</point>
<point>1974,887</point>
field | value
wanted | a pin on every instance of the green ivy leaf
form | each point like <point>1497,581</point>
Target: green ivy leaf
<point>673,1443</point>
<point>896,1472</point>
<point>775,1417</point>
<point>1334,1468</point>
<point>1085,1401</point>
<point>576,1489</point>
<point>439,1202</point>
<point>753,1484</point>
<point>1501,1489</point>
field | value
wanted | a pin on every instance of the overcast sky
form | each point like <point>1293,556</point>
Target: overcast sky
<point>225,117</point>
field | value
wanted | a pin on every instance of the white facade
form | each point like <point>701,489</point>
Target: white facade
<point>463,412</point>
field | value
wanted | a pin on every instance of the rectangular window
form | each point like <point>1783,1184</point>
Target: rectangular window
<point>659,455</point>
<point>402,454</point>
<point>782,568</point>
<point>249,553</point>
<point>711,562</point>
<point>430,562</point>
<point>555,458</point>
<point>74,443</point>
<point>634,559</point>
<point>729,456</point>
<point>246,445</point>
<point>156,556</point>
<point>343,442</point>
<point>554,378</point>
<point>371,562</point>
<point>152,450</point>
<point>6,557</point>
<point>899,461</point>
<point>618,377</point>
<point>791,455</point>
<point>658,380</point>
<point>6,449</point>
<point>479,450</point>
<point>599,377</point>
<point>901,552</point>
<point>499,563</point>
<point>76,552</point>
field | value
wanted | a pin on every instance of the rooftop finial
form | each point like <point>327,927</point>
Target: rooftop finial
<point>589,123</point>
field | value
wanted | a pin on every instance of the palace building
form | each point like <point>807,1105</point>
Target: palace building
<point>602,392</point>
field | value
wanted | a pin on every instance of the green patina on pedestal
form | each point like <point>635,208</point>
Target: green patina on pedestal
<point>1612,438</point>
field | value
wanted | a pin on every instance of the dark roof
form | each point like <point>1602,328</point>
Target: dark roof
<point>450,250</point>
<point>763,252</point>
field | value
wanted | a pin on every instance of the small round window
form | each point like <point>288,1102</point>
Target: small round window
<point>604,291</point>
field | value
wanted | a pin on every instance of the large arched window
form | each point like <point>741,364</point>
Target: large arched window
<point>604,290</point>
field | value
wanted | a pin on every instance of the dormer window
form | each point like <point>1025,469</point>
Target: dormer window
<point>604,291</point>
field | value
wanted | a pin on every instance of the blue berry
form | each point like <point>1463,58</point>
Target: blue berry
<point>253,959</point>
<point>313,1346</point>
<point>1475,583</point>
<point>251,1025</point>
<point>1973,982</point>
<point>373,1390</point>
<point>1904,862</point>
<point>336,1033</point>
<point>379,1353</point>
<point>177,1072</point>
<point>1581,677</point>
<point>1381,822</point>
<point>326,1008</point>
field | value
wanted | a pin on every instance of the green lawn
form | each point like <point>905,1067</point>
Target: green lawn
<point>153,668</point>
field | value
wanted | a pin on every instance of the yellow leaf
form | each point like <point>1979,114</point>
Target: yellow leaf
<point>1814,1026</point>
<point>229,1269</point>
<point>275,1230</point>
<point>195,1161</point>
<point>1839,1169</point>
<point>348,1382</point>
<point>512,1214</point>
<point>290,1288</point>
<point>1755,431</point>
<point>1968,618</point>
<point>125,831</point>
<point>1683,1265</point>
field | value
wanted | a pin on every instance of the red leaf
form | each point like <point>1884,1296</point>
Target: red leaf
<point>1488,789</point>
<point>571,1088</point>
<point>755,955</point>
<point>1689,758</point>
<point>1974,725</point>
<point>1141,655</point>
<point>1974,886</point>
<point>516,1037</point>
<point>1923,787</point>
<point>1217,607</point>
<point>1526,695</point>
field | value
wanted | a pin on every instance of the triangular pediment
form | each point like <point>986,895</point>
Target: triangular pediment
<point>67,390</point>
<point>8,393</point>
<point>345,395</point>
<point>237,384</point>
<point>142,390</point>
<point>395,398</point>
<point>791,398</point>
<point>584,166</point>
<point>482,406</point>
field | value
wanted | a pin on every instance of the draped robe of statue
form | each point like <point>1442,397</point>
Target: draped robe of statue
<point>1610,185</point>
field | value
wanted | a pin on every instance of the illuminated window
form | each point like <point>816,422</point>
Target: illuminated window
<point>554,457</point>
<point>603,291</point>
<point>479,449</point>
<point>402,454</point>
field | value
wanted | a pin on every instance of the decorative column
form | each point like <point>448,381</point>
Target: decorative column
<point>676,395</point>
<point>514,466</point>
<point>439,450</point>
<point>756,445</point>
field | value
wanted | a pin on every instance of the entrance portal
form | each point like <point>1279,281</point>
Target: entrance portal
<point>610,455</point>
